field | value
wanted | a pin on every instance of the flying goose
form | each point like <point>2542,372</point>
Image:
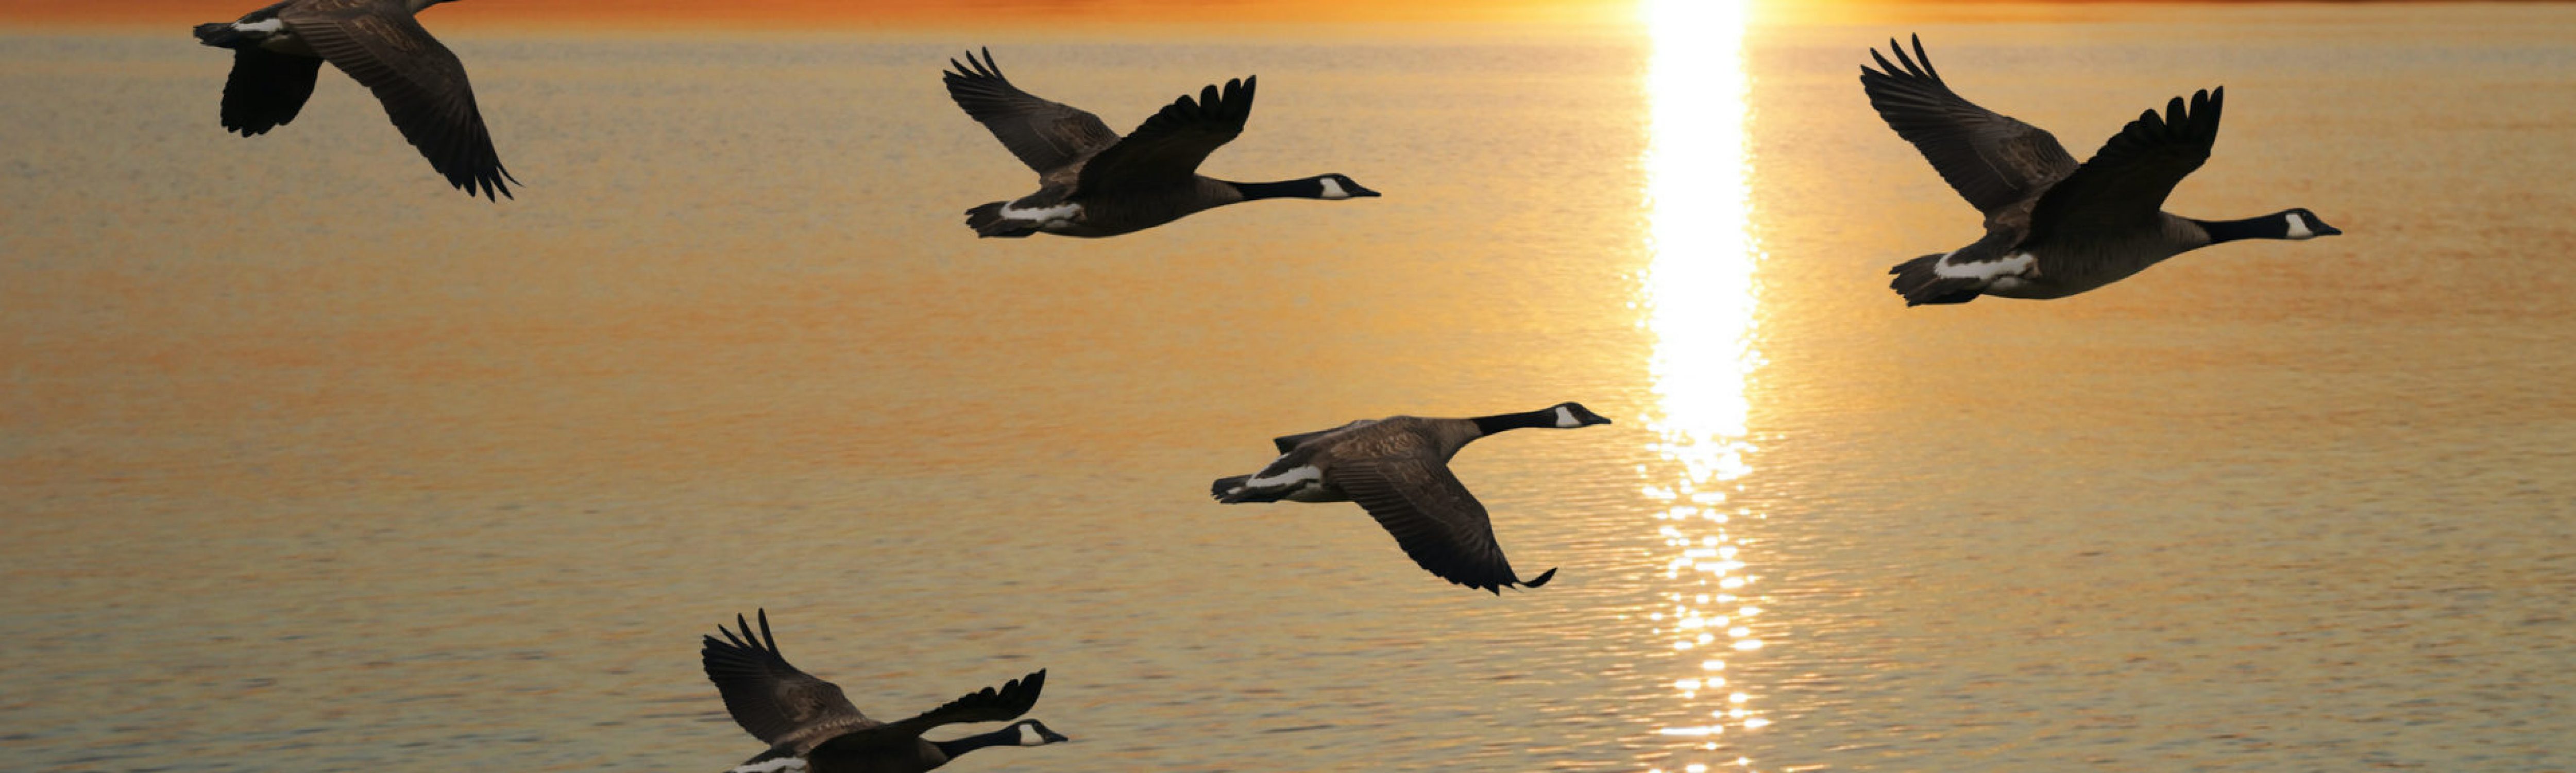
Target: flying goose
<point>811,727</point>
<point>1397,469</point>
<point>1092,182</point>
<point>279,50</point>
<point>2055,228</point>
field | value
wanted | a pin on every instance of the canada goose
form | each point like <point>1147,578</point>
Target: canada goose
<point>278,51</point>
<point>1093,183</point>
<point>2055,228</point>
<point>1397,469</point>
<point>811,727</point>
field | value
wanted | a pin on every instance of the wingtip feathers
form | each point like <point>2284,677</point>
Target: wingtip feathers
<point>1542,579</point>
<point>1924,57</point>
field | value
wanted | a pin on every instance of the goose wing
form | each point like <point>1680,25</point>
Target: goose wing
<point>987,705</point>
<point>772,700</point>
<point>420,82</point>
<point>1167,148</point>
<point>1433,517</point>
<point>1287,443</point>
<point>1990,159</point>
<point>266,89</point>
<point>1045,135</point>
<point>2123,187</point>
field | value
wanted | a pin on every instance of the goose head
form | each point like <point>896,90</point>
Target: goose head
<point>1574,416</point>
<point>1030,732</point>
<point>2300,224</point>
<point>1338,186</point>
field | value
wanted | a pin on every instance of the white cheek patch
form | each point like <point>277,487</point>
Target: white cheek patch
<point>1289,478</point>
<point>1029,736</point>
<point>270,25</point>
<point>1565,418</point>
<point>780,765</point>
<point>1333,190</point>
<point>2016,264</point>
<point>2299,227</point>
<point>1052,214</point>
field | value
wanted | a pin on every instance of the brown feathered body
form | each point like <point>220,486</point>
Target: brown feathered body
<point>278,52</point>
<point>1397,469</point>
<point>2053,227</point>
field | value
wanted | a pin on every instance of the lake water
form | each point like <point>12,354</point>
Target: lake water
<point>309,463</point>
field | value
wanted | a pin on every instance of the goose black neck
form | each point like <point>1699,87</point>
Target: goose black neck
<point>2265,227</point>
<point>1284,189</point>
<point>1544,417</point>
<point>1008,736</point>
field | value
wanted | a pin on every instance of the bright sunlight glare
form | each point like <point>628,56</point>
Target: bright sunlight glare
<point>1699,302</point>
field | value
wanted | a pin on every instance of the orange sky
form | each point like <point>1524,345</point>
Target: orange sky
<point>1044,14</point>
<point>866,13</point>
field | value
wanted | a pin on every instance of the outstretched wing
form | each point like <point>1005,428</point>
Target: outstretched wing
<point>266,89</point>
<point>2125,184</point>
<point>1045,135</point>
<point>1445,530</point>
<point>1168,147</point>
<point>986,705</point>
<point>1287,443</point>
<point>1991,160</point>
<point>420,82</point>
<point>777,703</point>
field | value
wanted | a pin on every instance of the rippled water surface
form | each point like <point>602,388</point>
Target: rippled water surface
<point>307,463</point>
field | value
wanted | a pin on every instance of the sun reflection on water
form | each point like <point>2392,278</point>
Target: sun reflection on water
<point>1699,304</point>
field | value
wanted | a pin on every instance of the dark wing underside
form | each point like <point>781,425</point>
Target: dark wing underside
<point>1991,160</point>
<point>1428,510</point>
<point>1045,135</point>
<point>420,82</point>
<point>1166,150</point>
<point>266,89</point>
<point>2125,184</point>
<point>986,705</point>
<point>771,699</point>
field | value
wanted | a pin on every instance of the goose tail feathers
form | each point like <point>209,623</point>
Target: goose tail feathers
<point>1225,487</point>
<point>1922,285</point>
<point>988,222</point>
<point>1238,490</point>
<point>221,35</point>
<point>779,759</point>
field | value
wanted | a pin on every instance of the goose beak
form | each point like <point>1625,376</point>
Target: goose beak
<point>2327,230</point>
<point>1358,192</point>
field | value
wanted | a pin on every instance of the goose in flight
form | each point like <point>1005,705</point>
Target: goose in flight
<point>278,52</point>
<point>1397,469</point>
<point>1094,183</point>
<point>812,728</point>
<point>2054,227</point>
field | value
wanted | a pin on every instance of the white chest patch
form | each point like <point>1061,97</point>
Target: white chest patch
<point>780,765</point>
<point>2299,228</point>
<point>1029,736</point>
<point>269,26</point>
<point>1333,190</point>
<point>1044,215</point>
<point>2014,265</point>
<point>1290,477</point>
<point>1565,418</point>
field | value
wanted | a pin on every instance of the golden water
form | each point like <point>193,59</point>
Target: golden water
<point>307,463</point>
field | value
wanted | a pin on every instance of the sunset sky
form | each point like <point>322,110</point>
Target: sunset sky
<point>868,14</point>
<point>879,12</point>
